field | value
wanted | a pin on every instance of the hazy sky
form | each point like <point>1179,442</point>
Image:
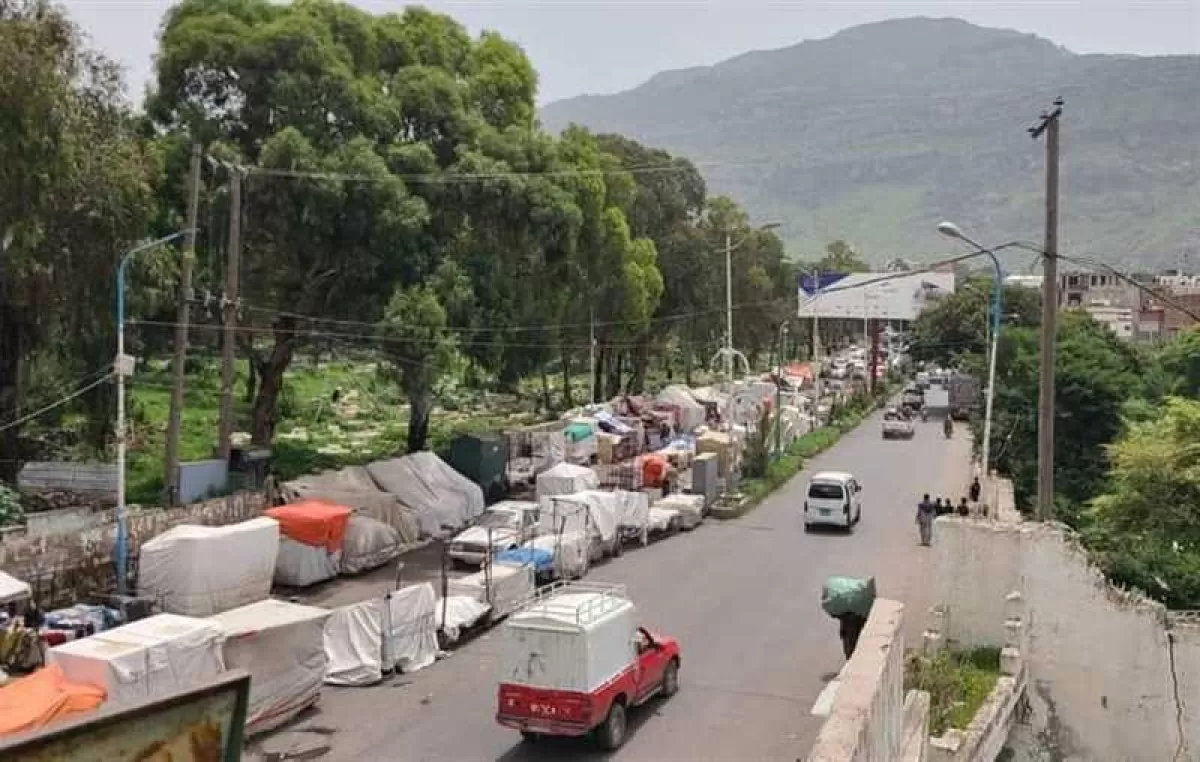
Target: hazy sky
<point>599,47</point>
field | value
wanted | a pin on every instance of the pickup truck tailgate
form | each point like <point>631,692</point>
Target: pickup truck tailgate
<point>534,707</point>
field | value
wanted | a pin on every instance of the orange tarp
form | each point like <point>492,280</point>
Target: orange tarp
<point>44,697</point>
<point>654,470</point>
<point>313,522</point>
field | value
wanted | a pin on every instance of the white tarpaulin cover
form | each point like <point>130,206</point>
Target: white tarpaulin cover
<point>354,644</point>
<point>281,645</point>
<point>354,488</point>
<point>300,565</point>
<point>150,658</point>
<point>690,507</point>
<point>13,589</point>
<point>200,570</point>
<point>368,544</point>
<point>691,412</point>
<point>592,510</point>
<point>510,586</point>
<point>566,479</point>
<point>570,551</point>
<point>661,518</point>
<point>442,497</point>
<point>409,629</point>
<point>458,612</point>
<point>633,511</point>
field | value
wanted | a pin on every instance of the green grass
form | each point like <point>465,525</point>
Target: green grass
<point>958,682</point>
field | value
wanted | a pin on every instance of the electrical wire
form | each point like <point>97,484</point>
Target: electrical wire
<point>1088,262</point>
<point>59,403</point>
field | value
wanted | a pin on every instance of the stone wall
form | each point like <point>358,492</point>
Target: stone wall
<point>64,565</point>
<point>1110,674</point>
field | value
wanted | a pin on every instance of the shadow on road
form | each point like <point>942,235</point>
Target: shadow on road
<point>582,748</point>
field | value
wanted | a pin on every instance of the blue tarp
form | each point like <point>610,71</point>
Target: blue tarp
<point>611,425</point>
<point>542,560</point>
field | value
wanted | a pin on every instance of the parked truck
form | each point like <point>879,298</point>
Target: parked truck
<point>964,391</point>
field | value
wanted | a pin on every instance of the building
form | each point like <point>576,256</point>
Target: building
<point>1083,288</point>
<point>1024,281</point>
<point>1175,320</point>
<point>1119,320</point>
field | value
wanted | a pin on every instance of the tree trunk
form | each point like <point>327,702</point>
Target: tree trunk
<point>612,379</point>
<point>688,361</point>
<point>265,413</point>
<point>640,360</point>
<point>420,405</point>
<point>546,402</point>
<point>568,397</point>
<point>10,394</point>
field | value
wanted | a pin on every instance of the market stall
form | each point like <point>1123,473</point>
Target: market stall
<point>313,535</point>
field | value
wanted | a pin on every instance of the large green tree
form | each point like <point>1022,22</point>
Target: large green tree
<point>956,326</point>
<point>1095,374</point>
<point>317,88</point>
<point>74,192</point>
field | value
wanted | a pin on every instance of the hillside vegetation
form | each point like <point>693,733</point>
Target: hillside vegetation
<point>877,133</point>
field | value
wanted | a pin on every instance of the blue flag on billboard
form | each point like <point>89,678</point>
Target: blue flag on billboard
<point>810,284</point>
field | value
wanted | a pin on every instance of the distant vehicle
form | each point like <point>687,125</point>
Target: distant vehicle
<point>574,660</point>
<point>509,524</point>
<point>896,425</point>
<point>964,391</point>
<point>833,500</point>
<point>912,397</point>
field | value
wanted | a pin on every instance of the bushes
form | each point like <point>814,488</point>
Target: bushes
<point>957,682</point>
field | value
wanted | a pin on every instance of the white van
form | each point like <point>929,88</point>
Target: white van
<point>832,499</point>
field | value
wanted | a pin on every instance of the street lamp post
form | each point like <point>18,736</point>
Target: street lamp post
<point>951,230</point>
<point>123,366</point>
<point>728,351</point>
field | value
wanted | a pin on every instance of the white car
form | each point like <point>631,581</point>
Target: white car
<point>832,499</point>
<point>509,524</point>
<point>897,425</point>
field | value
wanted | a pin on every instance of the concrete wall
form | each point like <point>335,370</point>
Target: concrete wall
<point>866,721</point>
<point>1104,665</point>
<point>63,565</point>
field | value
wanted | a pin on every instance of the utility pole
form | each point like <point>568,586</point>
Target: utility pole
<point>816,363</point>
<point>229,304</point>
<point>1048,124</point>
<point>179,364</point>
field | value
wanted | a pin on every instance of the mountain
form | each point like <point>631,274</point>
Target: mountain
<point>879,132</point>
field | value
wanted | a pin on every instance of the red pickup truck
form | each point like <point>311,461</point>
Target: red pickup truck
<point>574,661</point>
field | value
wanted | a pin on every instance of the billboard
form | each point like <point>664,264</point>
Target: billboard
<point>882,296</point>
<point>204,724</point>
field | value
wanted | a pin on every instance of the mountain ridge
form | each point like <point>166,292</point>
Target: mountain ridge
<point>877,132</point>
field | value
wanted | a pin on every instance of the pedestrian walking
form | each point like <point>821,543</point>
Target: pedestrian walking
<point>926,513</point>
<point>850,626</point>
<point>963,508</point>
<point>975,490</point>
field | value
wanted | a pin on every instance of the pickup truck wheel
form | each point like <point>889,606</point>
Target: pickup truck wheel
<point>612,730</point>
<point>670,679</point>
<point>531,737</point>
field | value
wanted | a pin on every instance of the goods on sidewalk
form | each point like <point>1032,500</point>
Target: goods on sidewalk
<point>456,613</point>
<point>354,488</point>
<point>353,639</point>
<point>280,644</point>
<point>590,512</point>
<point>633,514</point>
<point>502,587</point>
<point>313,535</point>
<point>409,628</point>
<point>689,506</point>
<point>146,659</point>
<point>442,497</point>
<point>368,544</point>
<point>565,479</point>
<point>44,698</point>
<point>848,595</point>
<point>690,412</point>
<point>201,570</point>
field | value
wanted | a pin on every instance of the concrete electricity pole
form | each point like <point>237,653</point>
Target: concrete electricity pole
<point>1048,124</point>
<point>233,268</point>
<point>179,364</point>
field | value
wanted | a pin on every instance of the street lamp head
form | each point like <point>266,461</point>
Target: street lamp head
<point>769,226</point>
<point>950,230</point>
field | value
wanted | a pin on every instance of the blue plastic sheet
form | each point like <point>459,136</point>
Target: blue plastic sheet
<point>541,560</point>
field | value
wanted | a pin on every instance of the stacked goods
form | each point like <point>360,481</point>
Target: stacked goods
<point>144,660</point>
<point>280,645</point>
<point>368,545</point>
<point>441,497</point>
<point>44,698</point>
<point>200,571</point>
<point>310,550</point>
<point>565,479</point>
<point>353,487</point>
<point>504,587</point>
<point>689,507</point>
<point>721,445</point>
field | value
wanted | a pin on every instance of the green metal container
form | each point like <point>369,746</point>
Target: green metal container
<point>482,458</point>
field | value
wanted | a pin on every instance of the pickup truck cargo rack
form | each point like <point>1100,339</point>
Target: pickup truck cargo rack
<point>602,598</point>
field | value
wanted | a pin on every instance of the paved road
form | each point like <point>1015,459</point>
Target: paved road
<point>742,597</point>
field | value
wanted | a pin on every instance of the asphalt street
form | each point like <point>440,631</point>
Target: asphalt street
<point>743,599</point>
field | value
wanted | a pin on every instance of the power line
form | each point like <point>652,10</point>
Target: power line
<point>59,403</point>
<point>1087,262</point>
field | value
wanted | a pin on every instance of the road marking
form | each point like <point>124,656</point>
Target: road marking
<point>824,703</point>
